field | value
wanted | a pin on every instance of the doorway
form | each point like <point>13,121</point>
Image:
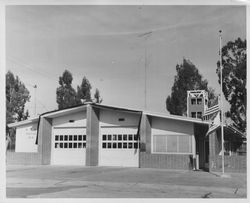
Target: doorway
<point>206,154</point>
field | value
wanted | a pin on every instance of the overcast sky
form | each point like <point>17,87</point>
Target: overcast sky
<point>103,43</point>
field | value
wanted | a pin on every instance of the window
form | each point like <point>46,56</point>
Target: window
<point>160,143</point>
<point>199,101</point>
<point>70,141</point>
<point>120,141</point>
<point>193,114</point>
<point>172,144</point>
<point>199,114</point>
<point>184,145</point>
<point>125,145</point>
<point>193,101</point>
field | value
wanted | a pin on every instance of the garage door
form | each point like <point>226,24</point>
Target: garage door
<point>69,146</point>
<point>119,147</point>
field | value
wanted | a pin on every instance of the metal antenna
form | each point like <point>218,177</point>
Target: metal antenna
<point>146,35</point>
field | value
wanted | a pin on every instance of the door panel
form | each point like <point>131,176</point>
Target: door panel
<point>68,146</point>
<point>119,146</point>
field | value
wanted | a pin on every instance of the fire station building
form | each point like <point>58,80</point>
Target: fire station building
<point>102,135</point>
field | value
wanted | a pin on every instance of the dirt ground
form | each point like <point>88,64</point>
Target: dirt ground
<point>117,182</point>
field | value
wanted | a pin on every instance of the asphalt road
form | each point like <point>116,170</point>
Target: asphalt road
<point>116,182</point>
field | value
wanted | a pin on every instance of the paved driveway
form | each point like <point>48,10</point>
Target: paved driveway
<point>109,182</point>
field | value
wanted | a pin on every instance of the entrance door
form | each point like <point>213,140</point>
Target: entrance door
<point>119,146</point>
<point>68,146</point>
<point>206,154</point>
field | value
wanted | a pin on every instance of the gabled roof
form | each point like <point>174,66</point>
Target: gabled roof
<point>57,113</point>
<point>102,106</point>
<point>175,117</point>
<point>24,122</point>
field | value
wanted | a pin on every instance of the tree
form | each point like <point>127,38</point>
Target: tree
<point>97,96</point>
<point>187,78</point>
<point>234,80</point>
<point>65,93</point>
<point>16,97</point>
<point>84,91</point>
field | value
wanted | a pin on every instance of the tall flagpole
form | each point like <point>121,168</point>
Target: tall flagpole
<point>35,86</point>
<point>221,103</point>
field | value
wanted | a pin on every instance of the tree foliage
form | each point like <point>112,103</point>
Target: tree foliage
<point>66,96</point>
<point>234,80</point>
<point>84,91</point>
<point>187,78</point>
<point>97,96</point>
<point>65,93</point>
<point>16,97</point>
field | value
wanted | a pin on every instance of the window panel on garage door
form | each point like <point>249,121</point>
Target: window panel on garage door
<point>70,141</point>
<point>120,141</point>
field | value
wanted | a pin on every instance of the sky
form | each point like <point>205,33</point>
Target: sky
<point>105,44</point>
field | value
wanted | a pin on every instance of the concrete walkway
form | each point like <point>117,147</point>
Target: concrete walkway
<point>112,182</point>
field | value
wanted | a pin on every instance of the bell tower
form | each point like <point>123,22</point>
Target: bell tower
<point>197,103</point>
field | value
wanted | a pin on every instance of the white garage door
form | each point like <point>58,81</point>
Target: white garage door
<point>119,147</point>
<point>69,146</point>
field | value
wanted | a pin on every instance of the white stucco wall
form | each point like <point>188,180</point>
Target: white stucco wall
<point>111,118</point>
<point>26,138</point>
<point>179,127</point>
<point>63,121</point>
